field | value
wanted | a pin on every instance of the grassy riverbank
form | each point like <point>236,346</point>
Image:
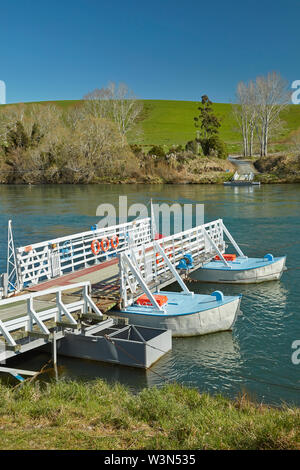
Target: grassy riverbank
<point>66,144</point>
<point>100,416</point>
<point>42,144</point>
<point>283,168</point>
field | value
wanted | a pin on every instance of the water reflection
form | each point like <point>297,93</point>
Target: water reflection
<point>190,355</point>
<point>244,190</point>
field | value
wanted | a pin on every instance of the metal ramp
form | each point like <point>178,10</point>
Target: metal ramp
<point>31,320</point>
<point>155,265</point>
<point>35,263</point>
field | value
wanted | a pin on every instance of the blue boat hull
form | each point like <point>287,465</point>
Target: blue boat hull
<point>250,271</point>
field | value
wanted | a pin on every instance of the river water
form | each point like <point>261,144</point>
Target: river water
<point>257,356</point>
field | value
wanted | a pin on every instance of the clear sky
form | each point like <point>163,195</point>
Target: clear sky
<point>162,49</point>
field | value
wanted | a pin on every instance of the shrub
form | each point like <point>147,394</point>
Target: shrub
<point>158,151</point>
<point>194,146</point>
<point>136,150</point>
<point>176,149</point>
<point>214,146</point>
<point>42,147</point>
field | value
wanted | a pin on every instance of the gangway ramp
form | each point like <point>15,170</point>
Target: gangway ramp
<point>159,263</point>
<point>31,320</point>
<point>35,263</point>
<point>202,243</point>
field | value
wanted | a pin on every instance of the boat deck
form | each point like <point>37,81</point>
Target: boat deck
<point>182,304</point>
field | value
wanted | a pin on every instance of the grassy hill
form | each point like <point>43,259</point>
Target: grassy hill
<point>172,122</point>
<point>166,122</point>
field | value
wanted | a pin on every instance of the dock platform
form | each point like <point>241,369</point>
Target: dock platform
<point>63,286</point>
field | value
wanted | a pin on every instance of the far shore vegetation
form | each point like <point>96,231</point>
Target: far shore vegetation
<point>112,137</point>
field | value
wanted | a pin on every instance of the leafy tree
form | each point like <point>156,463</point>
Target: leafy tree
<point>208,135</point>
<point>207,121</point>
<point>214,146</point>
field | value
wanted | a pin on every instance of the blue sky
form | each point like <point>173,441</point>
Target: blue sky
<point>165,49</point>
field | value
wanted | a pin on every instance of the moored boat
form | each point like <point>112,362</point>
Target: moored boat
<point>187,314</point>
<point>246,179</point>
<point>241,270</point>
<point>242,183</point>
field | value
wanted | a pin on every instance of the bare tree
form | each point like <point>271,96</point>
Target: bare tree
<point>295,147</point>
<point>258,109</point>
<point>245,112</point>
<point>240,113</point>
<point>8,118</point>
<point>272,97</point>
<point>48,117</point>
<point>252,115</point>
<point>116,103</point>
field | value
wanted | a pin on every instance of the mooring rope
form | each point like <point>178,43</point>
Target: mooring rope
<point>43,370</point>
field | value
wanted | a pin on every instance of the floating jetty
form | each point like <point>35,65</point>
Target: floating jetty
<point>67,319</point>
<point>98,294</point>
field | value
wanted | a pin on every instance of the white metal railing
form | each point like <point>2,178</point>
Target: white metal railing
<point>157,260</point>
<point>53,258</point>
<point>57,311</point>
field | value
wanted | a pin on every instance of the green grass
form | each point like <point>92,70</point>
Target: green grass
<point>172,122</point>
<point>100,416</point>
<point>167,122</point>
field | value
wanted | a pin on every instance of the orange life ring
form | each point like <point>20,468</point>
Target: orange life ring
<point>94,250</point>
<point>114,242</point>
<point>107,244</point>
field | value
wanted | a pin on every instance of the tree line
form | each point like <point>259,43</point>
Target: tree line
<point>258,109</point>
<point>43,143</point>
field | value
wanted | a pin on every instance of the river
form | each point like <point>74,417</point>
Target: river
<point>257,356</point>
